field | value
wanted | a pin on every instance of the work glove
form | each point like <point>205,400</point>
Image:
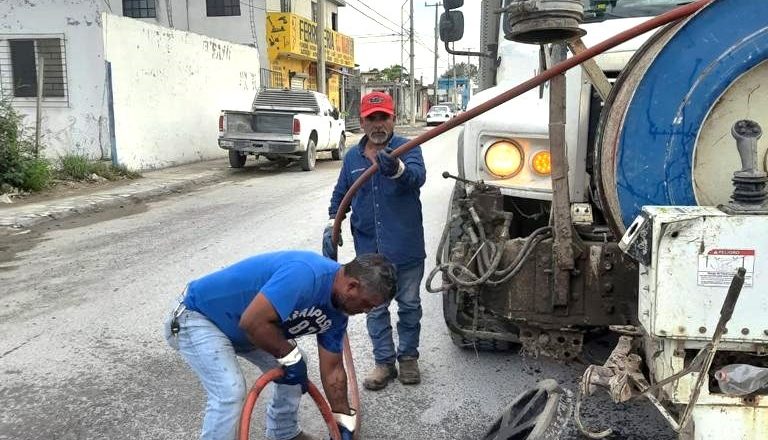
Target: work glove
<point>329,250</point>
<point>294,369</point>
<point>346,424</point>
<point>389,165</point>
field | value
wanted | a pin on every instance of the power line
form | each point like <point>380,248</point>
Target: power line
<point>386,26</point>
<point>374,35</point>
<point>374,20</point>
<point>380,41</point>
<point>382,16</point>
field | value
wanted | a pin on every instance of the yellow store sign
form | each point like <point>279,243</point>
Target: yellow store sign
<point>295,36</point>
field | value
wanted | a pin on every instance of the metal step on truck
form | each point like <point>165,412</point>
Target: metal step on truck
<point>548,183</point>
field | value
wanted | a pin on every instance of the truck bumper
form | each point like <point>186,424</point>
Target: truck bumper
<point>261,147</point>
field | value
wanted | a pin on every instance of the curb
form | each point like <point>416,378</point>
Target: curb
<point>35,215</point>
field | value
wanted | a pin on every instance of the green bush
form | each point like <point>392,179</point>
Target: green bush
<point>19,167</point>
<point>79,167</point>
<point>36,174</point>
<point>75,166</point>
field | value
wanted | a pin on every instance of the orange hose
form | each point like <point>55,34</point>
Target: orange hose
<point>557,69</point>
<point>263,381</point>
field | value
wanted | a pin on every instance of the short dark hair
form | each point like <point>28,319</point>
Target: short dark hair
<point>375,273</point>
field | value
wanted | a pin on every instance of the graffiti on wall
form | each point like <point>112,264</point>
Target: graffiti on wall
<point>249,81</point>
<point>218,51</point>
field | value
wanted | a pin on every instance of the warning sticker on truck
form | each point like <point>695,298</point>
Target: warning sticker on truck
<point>718,266</point>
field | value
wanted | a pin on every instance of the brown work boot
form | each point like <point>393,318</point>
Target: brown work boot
<point>304,436</point>
<point>379,377</point>
<point>409,371</point>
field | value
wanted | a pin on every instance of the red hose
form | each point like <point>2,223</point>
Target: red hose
<point>557,69</point>
<point>354,401</point>
<point>263,381</point>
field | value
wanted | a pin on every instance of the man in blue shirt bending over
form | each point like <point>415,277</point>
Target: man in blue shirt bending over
<point>255,309</point>
<point>386,218</point>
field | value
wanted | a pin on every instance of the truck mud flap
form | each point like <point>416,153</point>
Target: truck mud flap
<point>540,413</point>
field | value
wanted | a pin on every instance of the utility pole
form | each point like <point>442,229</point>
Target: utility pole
<point>321,46</point>
<point>454,96</point>
<point>435,5</point>
<point>413,82</point>
<point>402,39</point>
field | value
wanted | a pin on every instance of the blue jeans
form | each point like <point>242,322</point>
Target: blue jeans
<point>408,323</point>
<point>212,357</point>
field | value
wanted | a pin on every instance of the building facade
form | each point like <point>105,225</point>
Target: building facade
<point>454,90</point>
<point>63,42</point>
<point>291,31</point>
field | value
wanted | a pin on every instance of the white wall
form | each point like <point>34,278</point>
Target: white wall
<point>79,123</point>
<point>168,87</point>
<point>303,8</point>
<point>191,15</point>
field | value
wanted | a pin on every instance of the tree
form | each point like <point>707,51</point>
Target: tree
<point>394,72</point>
<point>462,70</point>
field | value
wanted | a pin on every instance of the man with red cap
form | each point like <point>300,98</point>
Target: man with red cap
<point>386,219</point>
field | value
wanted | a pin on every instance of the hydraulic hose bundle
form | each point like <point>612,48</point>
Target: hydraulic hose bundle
<point>489,255</point>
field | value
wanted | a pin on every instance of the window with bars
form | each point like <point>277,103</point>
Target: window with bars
<point>285,5</point>
<point>222,8</point>
<point>139,8</point>
<point>24,57</point>
<point>314,12</point>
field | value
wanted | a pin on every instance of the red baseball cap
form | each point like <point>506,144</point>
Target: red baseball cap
<point>376,102</point>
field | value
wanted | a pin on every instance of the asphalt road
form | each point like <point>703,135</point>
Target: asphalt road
<point>81,349</point>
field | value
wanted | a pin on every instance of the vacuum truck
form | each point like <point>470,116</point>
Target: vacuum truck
<point>528,257</point>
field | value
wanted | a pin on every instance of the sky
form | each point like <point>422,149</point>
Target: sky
<point>375,25</point>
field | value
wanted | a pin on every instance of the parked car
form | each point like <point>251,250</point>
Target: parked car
<point>439,114</point>
<point>283,124</point>
<point>456,109</point>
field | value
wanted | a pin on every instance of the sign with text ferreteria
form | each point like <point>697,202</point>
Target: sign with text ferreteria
<point>290,34</point>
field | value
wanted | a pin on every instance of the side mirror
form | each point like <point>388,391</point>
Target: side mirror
<point>451,26</point>
<point>335,114</point>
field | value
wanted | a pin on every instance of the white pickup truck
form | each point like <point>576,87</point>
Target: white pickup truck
<point>283,124</point>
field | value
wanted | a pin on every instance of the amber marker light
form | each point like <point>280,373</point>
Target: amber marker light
<point>542,163</point>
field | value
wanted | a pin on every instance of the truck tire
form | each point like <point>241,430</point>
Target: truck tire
<point>236,159</point>
<point>450,313</point>
<point>338,153</point>
<point>309,157</point>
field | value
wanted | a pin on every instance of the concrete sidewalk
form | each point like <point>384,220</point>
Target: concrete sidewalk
<point>152,184</point>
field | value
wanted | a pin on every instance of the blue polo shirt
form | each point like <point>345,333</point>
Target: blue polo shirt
<point>386,213</point>
<point>297,283</point>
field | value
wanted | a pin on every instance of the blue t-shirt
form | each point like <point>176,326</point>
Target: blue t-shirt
<point>297,283</point>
